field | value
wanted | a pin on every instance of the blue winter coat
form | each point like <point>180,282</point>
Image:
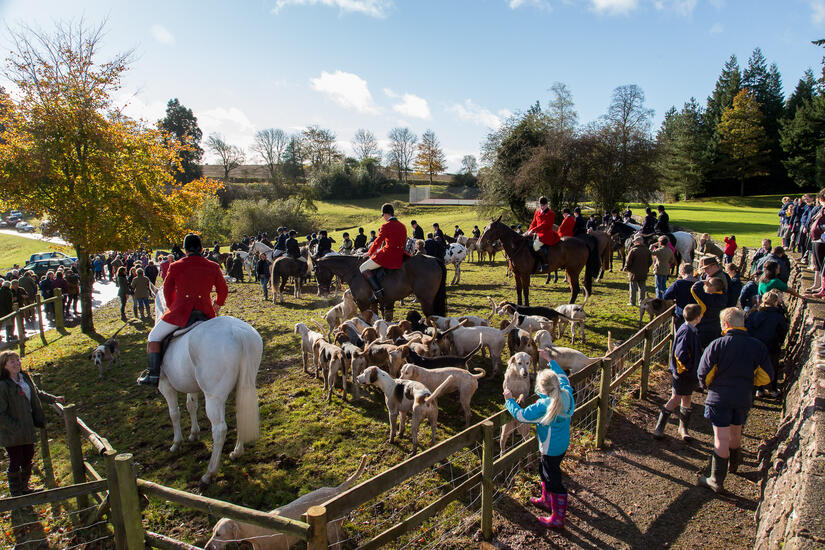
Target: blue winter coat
<point>554,438</point>
<point>685,352</point>
<point>731,366</point>
<point>680,291</point>
<point>769,326</point>
<point>747,297</point>
<point>712,305</point>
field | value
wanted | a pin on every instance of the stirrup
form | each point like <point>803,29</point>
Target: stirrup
<point>148,379</point>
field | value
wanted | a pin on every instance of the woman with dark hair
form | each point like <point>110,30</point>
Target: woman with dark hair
<point>770,280</point>
<point>20,413</point>
<point>122,290</point>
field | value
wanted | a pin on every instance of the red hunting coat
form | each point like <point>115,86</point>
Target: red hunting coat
<point>567,226</point>
<point>542,226</point>
<point>188,286</point>
<point>393,237</point>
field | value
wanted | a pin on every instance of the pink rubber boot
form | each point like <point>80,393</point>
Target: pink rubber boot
<point>544,501</point>
<point>559,505</point>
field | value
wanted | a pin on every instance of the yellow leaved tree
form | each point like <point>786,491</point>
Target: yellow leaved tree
<point>105,181</point>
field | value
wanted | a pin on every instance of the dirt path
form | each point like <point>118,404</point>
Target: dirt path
<point>642,493</point>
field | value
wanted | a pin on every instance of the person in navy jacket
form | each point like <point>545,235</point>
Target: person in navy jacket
<point>769,325</point>
<point>551,414</point>
<point>729,369</point>
<point>684,360</point>
<point>710,297</point>
<point>680,292</point>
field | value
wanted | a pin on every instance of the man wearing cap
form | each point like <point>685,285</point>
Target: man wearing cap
<point>292,248</point>
<point>187,287</point>
<point>663,222</point>
<point>324,244</point>
<point>418,231</point>
<point>709,268</point>
<point>566,227</point>
<point>386,251</point>
<point>280,242</point>
<point>542,228</point>
<point>580,224</point>
<point>649,224</point>
<point>637,265</point>
<point>437,233</point>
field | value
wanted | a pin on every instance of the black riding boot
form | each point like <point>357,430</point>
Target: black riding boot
<point>542,253</point>
<point>16,483</point>
<point>718,472</point>
<point>661,424</point>
<point>377,291</point>
<point>24,481</point>
<point>151,376</point>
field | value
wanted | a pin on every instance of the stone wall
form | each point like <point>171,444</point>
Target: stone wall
<point>792,512</point>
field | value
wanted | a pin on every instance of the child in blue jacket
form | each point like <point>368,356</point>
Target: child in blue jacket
<point>684,360</point>
<point>551,414</point>
<point>711,297</point>
<point>729,369</point>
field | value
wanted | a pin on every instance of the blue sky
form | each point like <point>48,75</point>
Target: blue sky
<point>455,66</point>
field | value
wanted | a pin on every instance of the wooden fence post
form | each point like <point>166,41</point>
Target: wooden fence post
<point>58,309</point>
<point>130,502</point>
<point>75,450</point>
<point>604,402</point>
<point>45,452</point>
<point>21,333</point>
<point>115,512</point>
<point>487,459</point>
<point>316,516</point>
<point>39,302</point>
<point>646,363</point>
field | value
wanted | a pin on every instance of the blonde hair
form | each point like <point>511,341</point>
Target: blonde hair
<point>771,298</point>
<point>547,383</point>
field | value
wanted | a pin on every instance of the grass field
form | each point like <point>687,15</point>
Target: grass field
<point>17,250</point>
<point>305,441</point>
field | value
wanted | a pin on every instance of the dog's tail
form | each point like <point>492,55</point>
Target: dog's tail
<point>439,390</point>
<point>480,345</point>
<point>478,373</point>
<point>321,329</point>
<point>351,479</point>
<point>586,296</point>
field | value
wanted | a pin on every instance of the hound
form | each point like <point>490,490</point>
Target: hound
<point>465,383</point>
<point>572,360</point>
<point>108,351</point>
<point>330,362</point>
<point>345,310</point>
<point>543,339</point>
<point>509,308</point>
<point>442,361</point>
<point>520,340</point>
<point>308,339</point>
<point>528,323</point>
<point>577,316</point>
<point>462,338</point>
<point>229,532</point>
<point>446,323</point>
<point>653,307</point>
<point>405,397</point>
<point>517,380</point>
<point>355,360</point>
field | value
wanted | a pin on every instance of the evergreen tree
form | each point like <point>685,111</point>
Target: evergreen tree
<point>682,142</point>
<point>727,86</point>
<point>803,140</point>
<point>742,137</point>
<point>181,124</point>
<point>766,84</point>
<point>803,93</point>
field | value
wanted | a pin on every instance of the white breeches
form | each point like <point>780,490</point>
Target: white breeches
<point>369,265</point>
<point>161,330</point>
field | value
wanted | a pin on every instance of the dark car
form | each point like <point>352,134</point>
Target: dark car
<point>51,254</point>
<point>40,267</point>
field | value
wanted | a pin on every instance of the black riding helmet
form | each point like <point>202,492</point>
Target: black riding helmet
<point>192,243</point>
<point>388,209</point>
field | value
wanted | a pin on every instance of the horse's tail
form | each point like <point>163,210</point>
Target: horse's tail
<point>593,265</point>
<point>440,302</point>
<point>246,396</point>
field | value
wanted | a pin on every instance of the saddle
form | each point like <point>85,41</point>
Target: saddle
<point>195,318</point>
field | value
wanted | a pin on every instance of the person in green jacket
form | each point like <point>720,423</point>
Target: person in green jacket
<point>20,413</point>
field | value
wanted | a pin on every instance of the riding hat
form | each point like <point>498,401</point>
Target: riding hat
<point>708,261</point>
<point>192,243</point>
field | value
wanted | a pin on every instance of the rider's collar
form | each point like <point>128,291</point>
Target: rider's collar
<point>392,218</point>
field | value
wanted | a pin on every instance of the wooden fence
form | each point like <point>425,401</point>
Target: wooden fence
<point>19,318</point>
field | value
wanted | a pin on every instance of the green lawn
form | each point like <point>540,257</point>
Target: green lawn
<point>17,250</point>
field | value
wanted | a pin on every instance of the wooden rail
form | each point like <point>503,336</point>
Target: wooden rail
<point>18,315</point>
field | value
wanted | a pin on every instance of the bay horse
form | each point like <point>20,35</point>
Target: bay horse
<point>214,357</point>
<point>281,270</point>
<point>421,275</point>
<point>571,254</point>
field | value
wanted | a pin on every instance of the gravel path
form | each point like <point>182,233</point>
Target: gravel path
<point>642,493</point>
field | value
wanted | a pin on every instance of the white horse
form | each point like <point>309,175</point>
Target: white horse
<point>455,254</point>
<point>685,244</point>
<point>258,247</point>
<point>214,357</point>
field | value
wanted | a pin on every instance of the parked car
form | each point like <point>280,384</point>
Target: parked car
<point>24,227</point>
<point>40,267</point>
<point>47,255</point>
<point>13,219</point>
<point>4,224</point>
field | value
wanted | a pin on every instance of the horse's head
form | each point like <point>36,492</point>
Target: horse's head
<point>160,302</point>
<point>323,275</point>
<point>492,232</point>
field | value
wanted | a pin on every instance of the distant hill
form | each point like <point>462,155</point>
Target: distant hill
<point>258,172</point>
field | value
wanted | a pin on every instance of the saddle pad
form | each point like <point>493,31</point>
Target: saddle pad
<point>184,330</point>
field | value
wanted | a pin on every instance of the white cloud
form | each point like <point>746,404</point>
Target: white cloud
<point>817,11</point>
<point>347,90</point>
<point>411,105</point>
<point>682,7</point>
<point>716,28</point>
<point>162,35</point>
<point>472,112</point>
<point>540,4</point>
<point>134,106</point>
<point>232,124</point>
<point>613,7</point>
<point>372,8</point>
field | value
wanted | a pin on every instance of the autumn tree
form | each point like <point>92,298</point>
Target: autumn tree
<point>742,137</point>
<point>270,145</point>
<point>365,146</point>
<point>230,156</point>
<point>430,159</point>
<point>402,151</point>
<point>67,152</point>
<point>181,124</point>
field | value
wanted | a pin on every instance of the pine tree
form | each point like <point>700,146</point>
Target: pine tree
<point>803,140</point>
<point>803,93</point>
<point>682,142</point>
<point>742,137</point>
<point>727,86</point>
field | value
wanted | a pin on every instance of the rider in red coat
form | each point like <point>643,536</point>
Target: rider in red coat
<point>542,228</point>
<point>187,287</point>
<point>567,224</point>
<point>387,250</point>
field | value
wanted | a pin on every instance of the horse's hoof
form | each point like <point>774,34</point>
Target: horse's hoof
<point>205,481</point>
<point>233,455</point>
<point>194,436</point>
<point>174,448</point>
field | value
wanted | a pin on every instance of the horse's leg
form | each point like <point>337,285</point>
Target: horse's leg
<point>518,287</point>
<point>192,407</point>
<point>574,285</point>
<point>216,411</point>
<point>525,288</point>
<point>171,396</point>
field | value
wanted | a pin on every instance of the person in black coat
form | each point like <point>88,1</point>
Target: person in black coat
<point>437,233</point>
<point>361,239</point>
<point>663,223</point>
<point>580,225</point>
<point>649,223</point>
<point>324,244</point>
<point>592,223</point>
<point>263,271</point>
<point>476,232</point>
<point>292,248</point>
<point>769,325</point>
<point>434,247</point>
<point>418,232</point>
<point>734,286</point>
<point>457,233</point>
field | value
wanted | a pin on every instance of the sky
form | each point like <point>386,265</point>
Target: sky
<point>458,67</point>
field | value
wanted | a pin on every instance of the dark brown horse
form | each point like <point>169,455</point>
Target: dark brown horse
<point>605,251</point>
<point>421,275</point>
<point>571,254</point>
<point>282,269</point>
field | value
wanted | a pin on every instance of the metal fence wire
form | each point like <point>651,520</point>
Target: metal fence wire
<point>55,526</point>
